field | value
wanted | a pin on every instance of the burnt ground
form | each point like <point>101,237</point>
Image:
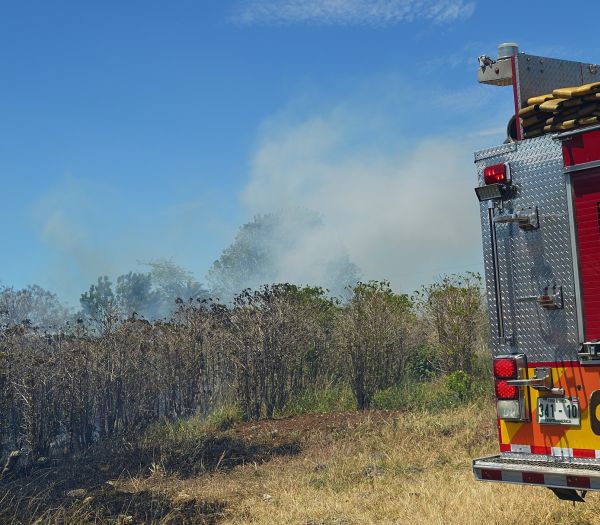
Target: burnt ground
<point>83,490</point>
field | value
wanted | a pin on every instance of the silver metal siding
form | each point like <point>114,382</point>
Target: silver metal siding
<point>540,75</point>
<point>535,75</point>
<point>531,260</point>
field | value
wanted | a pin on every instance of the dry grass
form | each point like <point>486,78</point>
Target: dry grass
<point>412,468</point>
<point>353,468</point>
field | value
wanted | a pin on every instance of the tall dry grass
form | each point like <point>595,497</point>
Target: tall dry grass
<point>410,468</point>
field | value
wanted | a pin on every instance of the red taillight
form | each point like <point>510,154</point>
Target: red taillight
<point>533,477</point>
<point>506,391</point>
<point>505,368</point>
<point>491,474</point>
<point>496,174</point>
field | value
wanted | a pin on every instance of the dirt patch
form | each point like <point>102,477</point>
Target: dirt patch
<point>307,425</point>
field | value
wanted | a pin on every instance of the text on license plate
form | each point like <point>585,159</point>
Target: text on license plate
<point>558,411</point>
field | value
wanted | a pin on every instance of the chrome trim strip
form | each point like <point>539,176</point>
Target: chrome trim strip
<point>489,463</point>
<point>584,166</point>
<point>575,257</point>
<point>576,132</point>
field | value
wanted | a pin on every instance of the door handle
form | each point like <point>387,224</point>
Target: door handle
<point>547,300</point>
<point>525,218</point>
<point>541,380</point>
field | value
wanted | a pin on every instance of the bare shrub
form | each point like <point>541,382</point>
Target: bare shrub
<point>63,391</point>
<point>278,338</point>
<point>453,308</point>
<point>373,335</point>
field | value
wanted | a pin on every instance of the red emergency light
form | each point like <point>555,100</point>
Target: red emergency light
<point>496,174</point>
<point>496,179</point>
<point>506,391</point>
<point>510,403</point>
<point>505,368</point>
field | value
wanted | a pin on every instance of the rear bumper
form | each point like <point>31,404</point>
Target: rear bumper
<point>546,471</point>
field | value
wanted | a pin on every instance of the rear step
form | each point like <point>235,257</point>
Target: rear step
<point>563,475</point>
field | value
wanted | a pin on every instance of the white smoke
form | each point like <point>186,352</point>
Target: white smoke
<point>406,213</point>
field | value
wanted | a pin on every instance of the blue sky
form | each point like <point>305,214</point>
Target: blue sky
<point>136,130</point>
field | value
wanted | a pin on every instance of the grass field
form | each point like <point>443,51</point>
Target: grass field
<point>315,469</point>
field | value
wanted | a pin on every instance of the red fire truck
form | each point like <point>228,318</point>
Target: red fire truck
<point>539,196</point>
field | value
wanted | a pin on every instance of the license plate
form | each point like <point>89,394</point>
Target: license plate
<point>558,411</point>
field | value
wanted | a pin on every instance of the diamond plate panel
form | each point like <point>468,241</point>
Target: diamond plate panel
<point>548,461</point>
<point>540,75</point>
<point>590,73</point>
<point>530,260</point>
<point>493,152</point>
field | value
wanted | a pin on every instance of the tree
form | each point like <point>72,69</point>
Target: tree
<point>33,305</point>
<point>373,334</point>
<point>282,247</point>
<point>135,295</point>
<point>100,305</point>
<point>172,282</point>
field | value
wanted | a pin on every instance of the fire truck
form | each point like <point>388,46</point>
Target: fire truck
<point>539,195</point>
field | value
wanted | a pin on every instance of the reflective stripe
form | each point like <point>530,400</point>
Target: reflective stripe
<point>554,479</point>
<point>595,484</point>
<point>536,449</point>
<point>585,453</point>
<point>563,452</point>
<point>551,451</point>
<point>512,476</point>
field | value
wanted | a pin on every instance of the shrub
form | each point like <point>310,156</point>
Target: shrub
<point>459,384</point>
<point>422,364</point>
<point>453,308</point>
<point>330,399</point>
<point>224,418</point>
<point>374,334</point>
<point>435,395</point>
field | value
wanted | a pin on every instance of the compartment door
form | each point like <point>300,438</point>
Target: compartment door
<point>586,192</point>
